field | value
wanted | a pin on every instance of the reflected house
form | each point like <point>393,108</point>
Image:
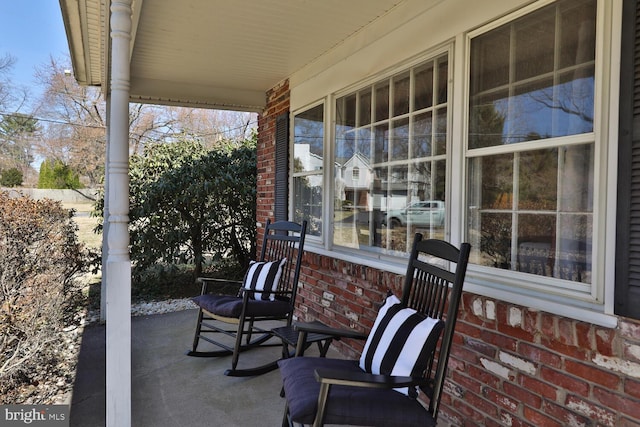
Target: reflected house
<point>357,178</point>
<point>367,189</point>
<point>520,116</point>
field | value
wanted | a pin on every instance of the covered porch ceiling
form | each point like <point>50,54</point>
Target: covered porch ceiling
<point>219,53</point>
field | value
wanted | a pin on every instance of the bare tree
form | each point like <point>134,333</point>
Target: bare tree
<point>73,120</point>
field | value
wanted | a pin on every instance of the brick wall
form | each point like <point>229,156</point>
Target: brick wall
<point>277,104</point>
<point>510,365</point>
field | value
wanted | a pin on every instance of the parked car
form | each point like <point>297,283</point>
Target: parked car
<point>422,213</point>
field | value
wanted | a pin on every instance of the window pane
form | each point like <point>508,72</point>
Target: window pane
<point>364,108</point>
<point>534,78</point>
<point>401,95</point>
<point>490,60</point>
<point>423,93</point>
<point>440,145</point>
<point>491,240</point>
<point>536,243</point>
<point>574,248</point>
<point>439,180</point>
<point>443,79</point>
<point>576,179</point>
<point>578,38</point>
<point>491,182</point>
<point>422,128</point>
<point>487,119</point>
<point>538,180</point>
<point>308,149</point>
<point>400,139</point>
<point>308,139</point>
<point>307,203</point>
<point>534,38</point>
<point>573,105</point>
<point>383,168</point>
<point>382,101</point>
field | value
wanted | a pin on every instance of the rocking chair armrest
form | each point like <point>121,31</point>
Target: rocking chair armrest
<point>319,328</point>
<point>363,379</point>
<point>206,281</point>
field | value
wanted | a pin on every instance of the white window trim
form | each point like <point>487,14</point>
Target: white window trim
<point>609,20</point>
<point>495,284</point>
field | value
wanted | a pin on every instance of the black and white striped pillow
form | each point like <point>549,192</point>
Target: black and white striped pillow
<point>400,343</point>
<point>264,276</point>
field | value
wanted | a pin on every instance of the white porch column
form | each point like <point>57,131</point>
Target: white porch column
<point>105,216</point>
<point>118,329</point>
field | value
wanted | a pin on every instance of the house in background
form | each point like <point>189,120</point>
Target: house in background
<point>521,116</point>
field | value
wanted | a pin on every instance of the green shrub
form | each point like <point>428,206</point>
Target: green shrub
<point>40,259</point>
<point>11,178</point>
<point>56,174</point>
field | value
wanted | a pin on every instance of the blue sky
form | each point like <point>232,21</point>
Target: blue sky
<point>31,31</point>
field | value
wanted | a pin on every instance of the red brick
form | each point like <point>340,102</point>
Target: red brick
<point>525,396</point>
<point>516,332</point>
<point>466,383</point>
<point>617,402</point>
<point>632,388</point>
<point>500,399</point>
<point>539,355</point>
<point>502,341</point>
<point>592,374</point>
<point>630,329</point>
<point>468,329</point>
<point>468,412</point>
<point>538,387</point>
<point>565,416</point>
<point>603,416</point>
<point>564,381</point>
<point>566,349</point>
<point>584,335</point>
<point>605,341</point>
<point>484,376</point>
<point>540,419</point>
<point>481,347</point>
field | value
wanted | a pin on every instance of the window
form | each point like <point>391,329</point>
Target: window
<point>389,154</point>
<point>355,174</point>
<point>308,148</point>
<point>531,144</point>
<point>517,160</point>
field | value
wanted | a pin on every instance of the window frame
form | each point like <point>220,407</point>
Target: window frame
<point>598,307</point>
<point>540,291</point>
<point>377,257</point>
<point>322,172</point>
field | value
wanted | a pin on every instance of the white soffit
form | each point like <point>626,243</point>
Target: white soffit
<point>230,52</point>
<point>217,53</point>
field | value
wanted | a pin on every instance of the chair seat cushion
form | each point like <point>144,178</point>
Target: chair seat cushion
<point>231,306</point>
<point>347,405</point>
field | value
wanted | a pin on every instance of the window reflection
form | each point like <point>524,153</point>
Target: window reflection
<point>533,79</point>
<point>549,92</point>
<point>390,174</point>
<point>308,148</point>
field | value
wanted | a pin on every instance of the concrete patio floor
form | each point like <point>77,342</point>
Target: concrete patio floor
<point>171,389</point>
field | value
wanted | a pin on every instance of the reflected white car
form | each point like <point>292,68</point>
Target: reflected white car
<point>423,213</point>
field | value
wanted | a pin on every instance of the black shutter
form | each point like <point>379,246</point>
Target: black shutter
<point>281,211</point>
<point>627,293</point>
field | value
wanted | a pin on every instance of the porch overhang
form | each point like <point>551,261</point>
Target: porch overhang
<point>215,53</point>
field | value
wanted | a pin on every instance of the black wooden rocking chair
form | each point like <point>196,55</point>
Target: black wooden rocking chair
<point>400,357</point>
<point>268,292</point>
